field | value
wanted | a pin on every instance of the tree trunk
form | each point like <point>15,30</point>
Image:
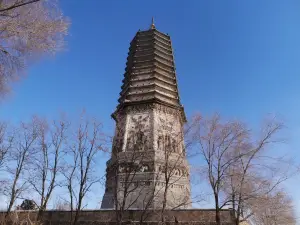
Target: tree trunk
<point>78,209</point>
<point>12,197</point>
<point>11,202</point>
<point>76,217</point>
<point>40,214</point>
<point>218,216</point>
<point>164,204</point>
<point>237,221</point>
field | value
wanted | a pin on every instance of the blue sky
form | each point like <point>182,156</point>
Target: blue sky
<point>240,58</point>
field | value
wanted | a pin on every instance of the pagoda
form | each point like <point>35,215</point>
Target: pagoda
<point>148,167</point>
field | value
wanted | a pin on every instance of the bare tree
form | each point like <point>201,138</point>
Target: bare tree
<point>5,146</point>
<point>236,165</point>
<point>276,208</point>
<point>80,175</point>
<point>10,5</point>
<point>256,172</point>
<point>27,28</point>
<point>62,205</point>
<point>216,141</point>
<point>24,148</point>
<point>5,143</point>
<point>47,164</point>
<point>69,175</point>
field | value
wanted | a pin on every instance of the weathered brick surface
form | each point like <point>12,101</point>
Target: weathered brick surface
<point>101,217</point>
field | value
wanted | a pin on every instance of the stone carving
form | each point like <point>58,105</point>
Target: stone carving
<point>150,106</point>
<point>167,142</point>
<point>130,142</point>
<point>162,169</point>
<point>140,137</point>
<point>122,169</point>
<point>168,110</point>
<point>137,139</point>
<point>139,108</point>
<point>173,145</point>
<point>132,168</point>
<point>159,142</point>
<point>144,168</point>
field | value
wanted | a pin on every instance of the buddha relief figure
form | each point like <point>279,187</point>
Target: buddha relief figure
<point>145,142</point>
<point>130,142</point>
<point>159,142</point>
<point>121,169</point>
<point>167,142</point>
<point>173,145</point>
<point>144,168</point>
<point>139,140</point>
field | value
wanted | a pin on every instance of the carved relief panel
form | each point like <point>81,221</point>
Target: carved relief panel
<point>168,134</point>
<point>138,133</point>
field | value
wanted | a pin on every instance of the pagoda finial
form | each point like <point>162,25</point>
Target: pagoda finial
<point>152,23</point>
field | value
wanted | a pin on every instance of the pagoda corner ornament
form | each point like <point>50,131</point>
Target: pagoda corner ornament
<point>148,144</point>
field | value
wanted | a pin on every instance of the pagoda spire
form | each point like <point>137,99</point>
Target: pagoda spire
<point>152,24</point>
<point>150,74</point>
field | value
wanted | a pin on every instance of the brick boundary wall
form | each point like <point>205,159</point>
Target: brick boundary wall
<point>101,217</point>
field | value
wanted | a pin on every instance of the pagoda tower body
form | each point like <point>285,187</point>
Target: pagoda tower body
<point>148,168</point>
